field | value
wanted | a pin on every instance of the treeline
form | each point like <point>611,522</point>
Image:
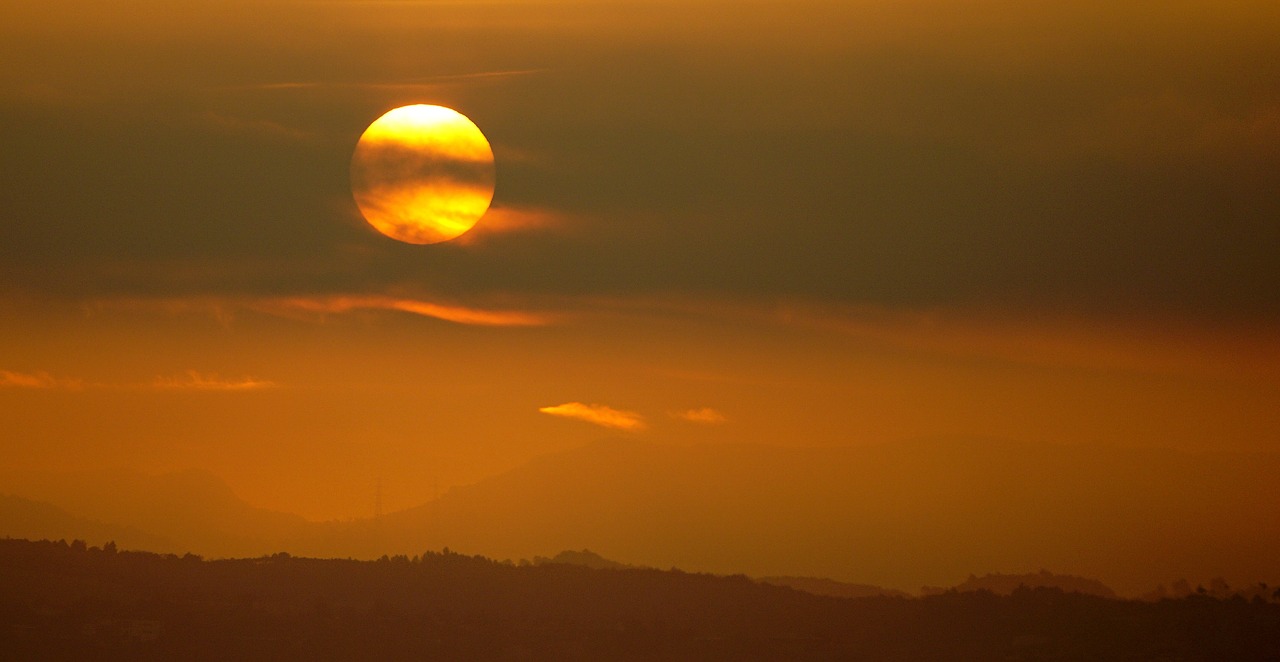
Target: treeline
<point>71,601</point>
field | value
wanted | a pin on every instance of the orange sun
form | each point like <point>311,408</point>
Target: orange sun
<point>422,174</point>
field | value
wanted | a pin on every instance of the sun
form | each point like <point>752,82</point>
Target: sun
<point>422,174</point>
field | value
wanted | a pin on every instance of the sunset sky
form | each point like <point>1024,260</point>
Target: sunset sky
<point>785,223</point>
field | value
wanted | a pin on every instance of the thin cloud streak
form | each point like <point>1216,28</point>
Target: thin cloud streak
<point>418,82</point>
<point>189,380</point>
<point>255,127</point>
<point>506,220</point>
<point>598,414</point>
<point>194,380</point>
<point>1137,344</point>
<point>449,313</point>
<point>223,308</point>
<point>37,380</point>
<point>1134,345</point>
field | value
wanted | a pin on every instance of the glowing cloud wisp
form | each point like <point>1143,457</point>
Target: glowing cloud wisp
<point>598,414</point>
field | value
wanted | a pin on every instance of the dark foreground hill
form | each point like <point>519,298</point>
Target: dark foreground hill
<point>60,601</point>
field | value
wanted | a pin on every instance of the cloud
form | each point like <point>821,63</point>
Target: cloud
<point>200,382</point>
<point>505,220</point>
<point>190,380</point>
<point>599,414</point>
<point>450,313</point>
<point>419,83</point>
<point>255,127</point>
<point>1141,129</point>
<point>1151,344</point>
<point>41,379</point>
<point>704,415</point>
<point>293,306</point>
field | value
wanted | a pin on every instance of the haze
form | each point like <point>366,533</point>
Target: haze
<point>889,232</point>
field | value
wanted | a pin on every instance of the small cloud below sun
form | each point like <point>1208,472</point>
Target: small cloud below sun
<point>598,414</point>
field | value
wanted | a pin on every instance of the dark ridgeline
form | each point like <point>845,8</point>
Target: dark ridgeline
<point>69,601</point>
<point>1002,584</point>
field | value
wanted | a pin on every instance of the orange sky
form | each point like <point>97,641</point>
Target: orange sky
<point>789,224</point>
<point>276,403</point>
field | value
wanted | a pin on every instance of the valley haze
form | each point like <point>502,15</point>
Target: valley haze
<point>877,514</point>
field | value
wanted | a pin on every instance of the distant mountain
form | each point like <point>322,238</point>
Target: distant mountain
<point>190,510</point>
<point>586,558</point>
<point>833,588</point>
<point>893,515</point>
<point>35,520</point>
<point>1007,584</point>
<point>898,515</point>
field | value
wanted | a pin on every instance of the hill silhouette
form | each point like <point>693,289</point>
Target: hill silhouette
<point>26,518</point>
<point>1002,584</point>
<point>69,601</point>
<point>895,515</point>
<point>181,511</point>
<point>833,588</point>
<point>585,558</point>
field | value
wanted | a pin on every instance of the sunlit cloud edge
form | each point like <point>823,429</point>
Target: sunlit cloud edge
<point>322,305</point>
<point>446,312</point>
<point>597,414</point>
